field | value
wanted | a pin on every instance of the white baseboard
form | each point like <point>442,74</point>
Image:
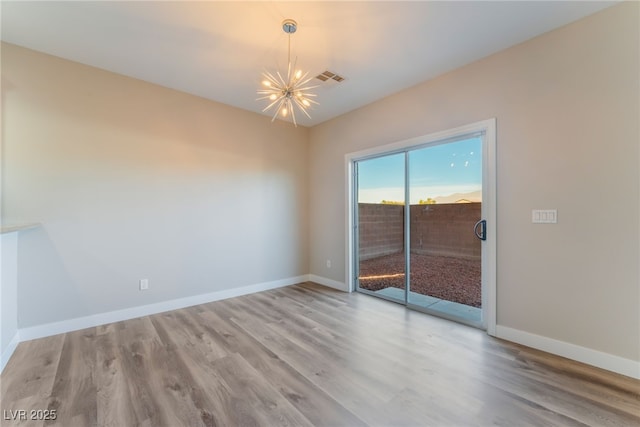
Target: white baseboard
<point>78,323</point>
<point>610,362</point>
<point>6,354</point>
<point>328,282</point>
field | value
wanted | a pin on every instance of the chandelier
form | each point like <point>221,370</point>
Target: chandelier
<point>285,93</point>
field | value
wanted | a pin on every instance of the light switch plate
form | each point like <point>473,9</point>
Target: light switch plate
<point>544,216</point>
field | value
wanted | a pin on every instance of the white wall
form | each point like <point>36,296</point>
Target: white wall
<point>8,295</point>
<point>131,180</point>
<point>567,109</point>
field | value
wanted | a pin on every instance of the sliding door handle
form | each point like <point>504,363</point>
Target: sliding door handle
<point>480,229</point>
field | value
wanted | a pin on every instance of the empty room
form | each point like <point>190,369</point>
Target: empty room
<point>349,213</point>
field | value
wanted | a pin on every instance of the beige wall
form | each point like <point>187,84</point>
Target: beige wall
<point>567,109</point>
<point>131,180</point>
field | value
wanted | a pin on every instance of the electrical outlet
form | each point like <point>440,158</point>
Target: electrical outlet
<point>144,284</point>
<point>328,263</point>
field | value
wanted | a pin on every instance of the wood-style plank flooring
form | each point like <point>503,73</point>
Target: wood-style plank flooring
<point>304,355</point>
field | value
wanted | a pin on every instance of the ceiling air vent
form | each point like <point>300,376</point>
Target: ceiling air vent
<point>329,75</point>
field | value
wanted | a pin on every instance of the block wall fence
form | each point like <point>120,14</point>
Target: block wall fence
<point>439,230</point>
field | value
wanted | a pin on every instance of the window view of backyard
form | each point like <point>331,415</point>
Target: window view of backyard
<point>445,199</point>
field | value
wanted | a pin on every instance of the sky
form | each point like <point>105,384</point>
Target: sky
<point>434,171</point>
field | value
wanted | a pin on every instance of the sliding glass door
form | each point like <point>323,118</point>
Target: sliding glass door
<point>445,187</point>
<point>381,226</point>
<point>418,216</point>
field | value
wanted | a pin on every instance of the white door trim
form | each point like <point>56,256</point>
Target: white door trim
<point>489,205</point>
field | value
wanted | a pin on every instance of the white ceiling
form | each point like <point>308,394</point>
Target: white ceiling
<point>218,50</point>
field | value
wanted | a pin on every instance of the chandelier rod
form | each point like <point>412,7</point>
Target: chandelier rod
<point>289,52</point>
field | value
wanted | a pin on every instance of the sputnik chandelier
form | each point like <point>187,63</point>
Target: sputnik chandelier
<point>283,93</point>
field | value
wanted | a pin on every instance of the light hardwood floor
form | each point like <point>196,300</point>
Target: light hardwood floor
<point>305,355</point>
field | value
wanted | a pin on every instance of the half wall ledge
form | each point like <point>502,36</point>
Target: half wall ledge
<point>18,227</point>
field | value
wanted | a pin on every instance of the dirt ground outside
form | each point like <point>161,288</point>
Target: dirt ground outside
<point>447,278</point>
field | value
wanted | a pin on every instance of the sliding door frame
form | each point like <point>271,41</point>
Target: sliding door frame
<point>489,205</point>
